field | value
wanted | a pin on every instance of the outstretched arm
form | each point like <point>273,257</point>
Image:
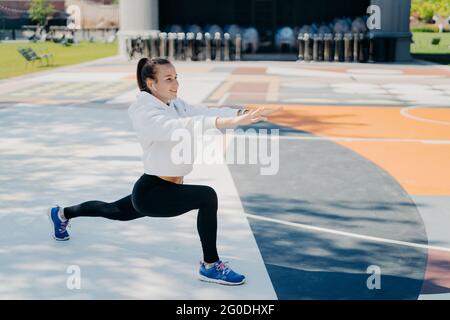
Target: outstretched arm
<point>252,116</point>
<point>225,111</point>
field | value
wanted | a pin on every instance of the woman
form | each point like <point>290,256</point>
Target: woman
<point>160,191</point>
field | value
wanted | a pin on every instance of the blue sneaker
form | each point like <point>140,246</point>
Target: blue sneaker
<point>59,227</point>
<point>221,273</point>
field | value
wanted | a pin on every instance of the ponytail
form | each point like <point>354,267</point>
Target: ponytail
<point>146,68</point>
<point>141,82</point>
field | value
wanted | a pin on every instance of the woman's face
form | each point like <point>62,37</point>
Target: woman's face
<point>166,85</point>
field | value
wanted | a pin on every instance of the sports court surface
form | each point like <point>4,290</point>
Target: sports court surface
<point>363,180</point>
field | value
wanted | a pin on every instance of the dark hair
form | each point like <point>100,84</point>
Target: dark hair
<point>146,68</point>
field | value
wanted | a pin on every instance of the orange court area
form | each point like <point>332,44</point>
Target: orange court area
<point>414,150</point>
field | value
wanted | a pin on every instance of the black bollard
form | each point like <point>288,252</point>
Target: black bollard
<point>238,47</point>
<point>218,45</point>
<point>371,40</point>
<point>356,47</point>
<point>189,46</point>
<point>198,47</point>
<point>362,56</point>
<point>301,47</point>
<point>327,55</point>
<point>172,36</point>
<point>153,45</point>
<point>226,47</point>
<point>162,44</point>
<point>180,45</point>
<point>315,47</point>
<point>307,47</point>
<point>207,46</point>
<point>338,48</point>
<point>320,47</point>
<point>348,47</point>
<point>129,45</point>
<point>146,45</point>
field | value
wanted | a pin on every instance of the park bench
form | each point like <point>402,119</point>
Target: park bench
<point>435,41</point>
<point>31,56</point>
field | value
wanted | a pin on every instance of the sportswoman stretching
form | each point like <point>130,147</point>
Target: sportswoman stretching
<point>160,191</point>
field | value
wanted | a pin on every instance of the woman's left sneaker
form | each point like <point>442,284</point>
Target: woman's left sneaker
<point>59,226</point>
<point>220,273</point>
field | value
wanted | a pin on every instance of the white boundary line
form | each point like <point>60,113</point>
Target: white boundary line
<point>404,112</point>
<point>224,98</point>
<point>348,234</point>
<point>344,139</point>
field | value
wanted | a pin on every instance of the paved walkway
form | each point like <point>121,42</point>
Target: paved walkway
<point>363,181</point>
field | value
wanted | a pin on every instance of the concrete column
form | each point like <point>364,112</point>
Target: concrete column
<point>395,23</point>
<point>137,17</point>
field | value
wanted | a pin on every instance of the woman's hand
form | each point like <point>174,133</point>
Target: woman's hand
<point>253,116</point>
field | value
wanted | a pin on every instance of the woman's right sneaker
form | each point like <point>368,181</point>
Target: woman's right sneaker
<point>220,273</point>
<point>59,226</point>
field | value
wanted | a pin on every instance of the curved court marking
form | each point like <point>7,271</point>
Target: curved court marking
<point>404,112</point>
<point>346,139</point>
<point>348,234</point>
<point>386,72</point>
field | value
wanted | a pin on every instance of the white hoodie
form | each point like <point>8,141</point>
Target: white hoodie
<point>154,123</point>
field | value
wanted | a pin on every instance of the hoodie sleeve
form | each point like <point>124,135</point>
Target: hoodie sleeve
<point>155,125</point>
<point>196,110</point>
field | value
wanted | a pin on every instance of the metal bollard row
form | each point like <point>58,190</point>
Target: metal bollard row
<point>198,46</point>
<point>338,47</point>
<point>188,46</point>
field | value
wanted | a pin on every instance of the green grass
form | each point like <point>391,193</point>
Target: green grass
<point>13,64</point>
<point>423,49</point>
<point>422,43</point>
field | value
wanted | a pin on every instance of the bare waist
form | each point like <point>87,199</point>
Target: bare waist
<point>177,180</point>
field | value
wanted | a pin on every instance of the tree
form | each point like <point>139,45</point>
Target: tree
<point>443,8</point>
<point>426,9</point>
<point>40,10</point>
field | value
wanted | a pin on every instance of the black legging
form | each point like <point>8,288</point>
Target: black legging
<point>155,197</point>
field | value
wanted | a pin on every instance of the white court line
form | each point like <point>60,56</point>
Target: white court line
<point>349,234</point>
<point>345,139</point>
<point>404,112</point>
<point>224,98</point>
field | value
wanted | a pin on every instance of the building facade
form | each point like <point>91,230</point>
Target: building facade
<point>266,16</point>
<point>87,14</point>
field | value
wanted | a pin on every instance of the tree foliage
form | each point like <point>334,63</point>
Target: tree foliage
<point>426,9</point>
<point>40,10</point>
